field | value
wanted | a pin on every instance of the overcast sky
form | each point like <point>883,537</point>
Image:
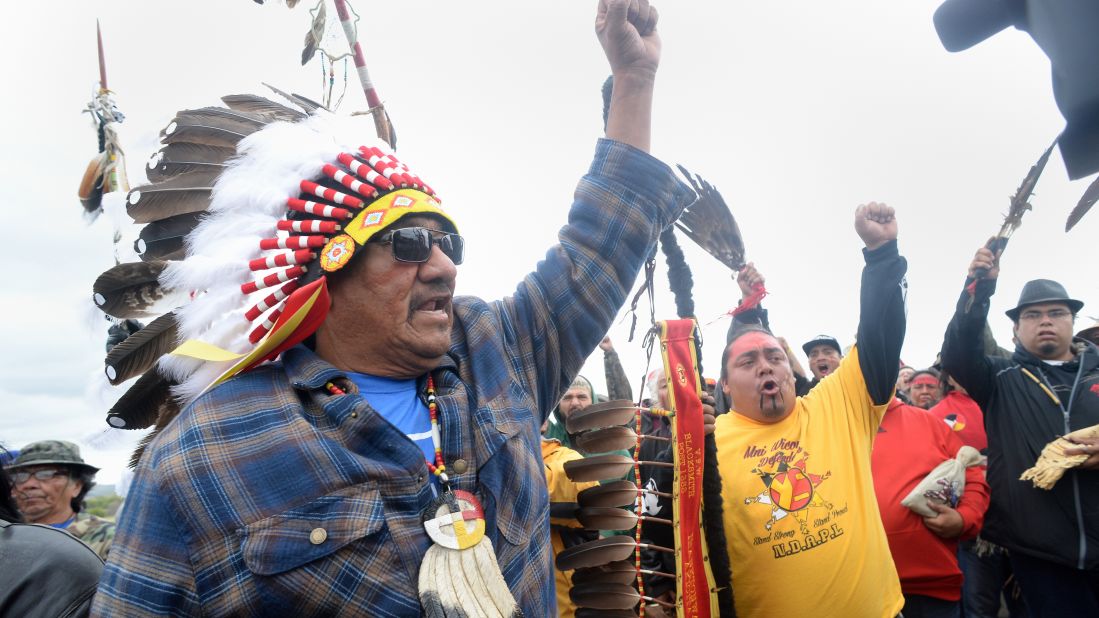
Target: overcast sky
<point>798,111</point>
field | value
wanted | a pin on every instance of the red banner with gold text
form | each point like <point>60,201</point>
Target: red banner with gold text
<point>695,585</point>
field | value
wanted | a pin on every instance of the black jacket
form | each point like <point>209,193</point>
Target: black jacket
<point>1060,525</point>
<point>45,572</point>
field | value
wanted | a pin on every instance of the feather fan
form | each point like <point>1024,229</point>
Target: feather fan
<point>164,239</point>
<point>710,224</point>
<point>129,290</point>
<point>260,105</point>
<point>189,192</point>
<point>140,351</point>
<point>1084,205</point>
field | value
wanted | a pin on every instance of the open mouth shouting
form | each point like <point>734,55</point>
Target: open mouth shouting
<point>434,307</point>
<point>770,397</point>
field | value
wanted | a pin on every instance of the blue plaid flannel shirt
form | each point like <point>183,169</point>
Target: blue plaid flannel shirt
<point>221,509</point>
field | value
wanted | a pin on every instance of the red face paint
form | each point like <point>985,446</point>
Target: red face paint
<point>753,341</point>
<point>759,380</point>
<point>926,380</point>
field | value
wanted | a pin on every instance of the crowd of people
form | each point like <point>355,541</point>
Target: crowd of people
<point>404,453</point>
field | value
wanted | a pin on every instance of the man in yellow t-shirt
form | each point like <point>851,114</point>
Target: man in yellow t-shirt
<point>804,533</point>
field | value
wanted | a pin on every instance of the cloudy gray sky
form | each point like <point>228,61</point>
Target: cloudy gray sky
<point>797,110</point>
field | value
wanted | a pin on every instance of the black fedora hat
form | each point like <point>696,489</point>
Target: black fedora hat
<point>1043,291</point>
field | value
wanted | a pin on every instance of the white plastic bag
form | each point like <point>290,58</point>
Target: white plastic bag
<point>943,485</point>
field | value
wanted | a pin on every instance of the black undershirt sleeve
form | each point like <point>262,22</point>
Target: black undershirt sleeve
<point>963,354</point>
<point>882,320</point>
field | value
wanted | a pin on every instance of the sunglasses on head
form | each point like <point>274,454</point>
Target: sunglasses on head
<point>413,244</point>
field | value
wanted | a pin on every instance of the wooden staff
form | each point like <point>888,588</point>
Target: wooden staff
<point>381,121</point>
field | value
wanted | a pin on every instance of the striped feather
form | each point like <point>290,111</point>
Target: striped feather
<point>212,126</point>
<point>140,351</point>
<point>182,157</point>
<point>1091,195</point>
<point>596,553</point>
<point>260,105</point>
<point>604,596</point>
<point>143,403</point>
<point>129,290</point>
<point>302,102</point>
<point>233,121</point>
<point>186,193</point>
<point>164,239</point>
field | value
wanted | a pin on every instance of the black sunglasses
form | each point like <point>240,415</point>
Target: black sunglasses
<point>413,244</point>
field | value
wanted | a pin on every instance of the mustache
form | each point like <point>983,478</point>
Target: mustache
<point>430,290</point>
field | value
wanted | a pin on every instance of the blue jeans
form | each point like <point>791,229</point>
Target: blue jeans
<point>919,606</point>
<point>984,581</point>
<point>1056,591</point>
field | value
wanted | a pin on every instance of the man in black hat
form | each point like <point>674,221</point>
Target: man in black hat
<point>49,482</point>
<point>1049,387</point>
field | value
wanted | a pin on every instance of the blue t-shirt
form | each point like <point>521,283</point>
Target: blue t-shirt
<point>399,403</point>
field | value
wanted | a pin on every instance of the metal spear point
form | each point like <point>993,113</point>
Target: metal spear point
<point>102,62</point>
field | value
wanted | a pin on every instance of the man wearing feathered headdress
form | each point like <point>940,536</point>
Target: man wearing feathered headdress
<point>394,453</point>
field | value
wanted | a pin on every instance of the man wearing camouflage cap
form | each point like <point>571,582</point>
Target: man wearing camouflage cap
<point>49,483</point>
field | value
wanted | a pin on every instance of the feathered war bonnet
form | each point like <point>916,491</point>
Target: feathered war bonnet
<point>247,211</point>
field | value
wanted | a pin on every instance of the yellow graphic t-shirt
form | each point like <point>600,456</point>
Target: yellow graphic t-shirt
<point>804,533</point>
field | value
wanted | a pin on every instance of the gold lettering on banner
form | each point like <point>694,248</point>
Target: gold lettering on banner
<point>687,454</point>
<point>691,598</point>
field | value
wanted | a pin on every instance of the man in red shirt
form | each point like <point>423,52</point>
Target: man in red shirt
<point>909,445</point>
<point>924,389</point>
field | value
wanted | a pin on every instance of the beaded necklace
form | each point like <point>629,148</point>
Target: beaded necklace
<point>438,467</point>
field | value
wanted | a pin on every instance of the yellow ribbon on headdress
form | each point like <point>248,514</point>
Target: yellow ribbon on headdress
<point>285,327</point>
